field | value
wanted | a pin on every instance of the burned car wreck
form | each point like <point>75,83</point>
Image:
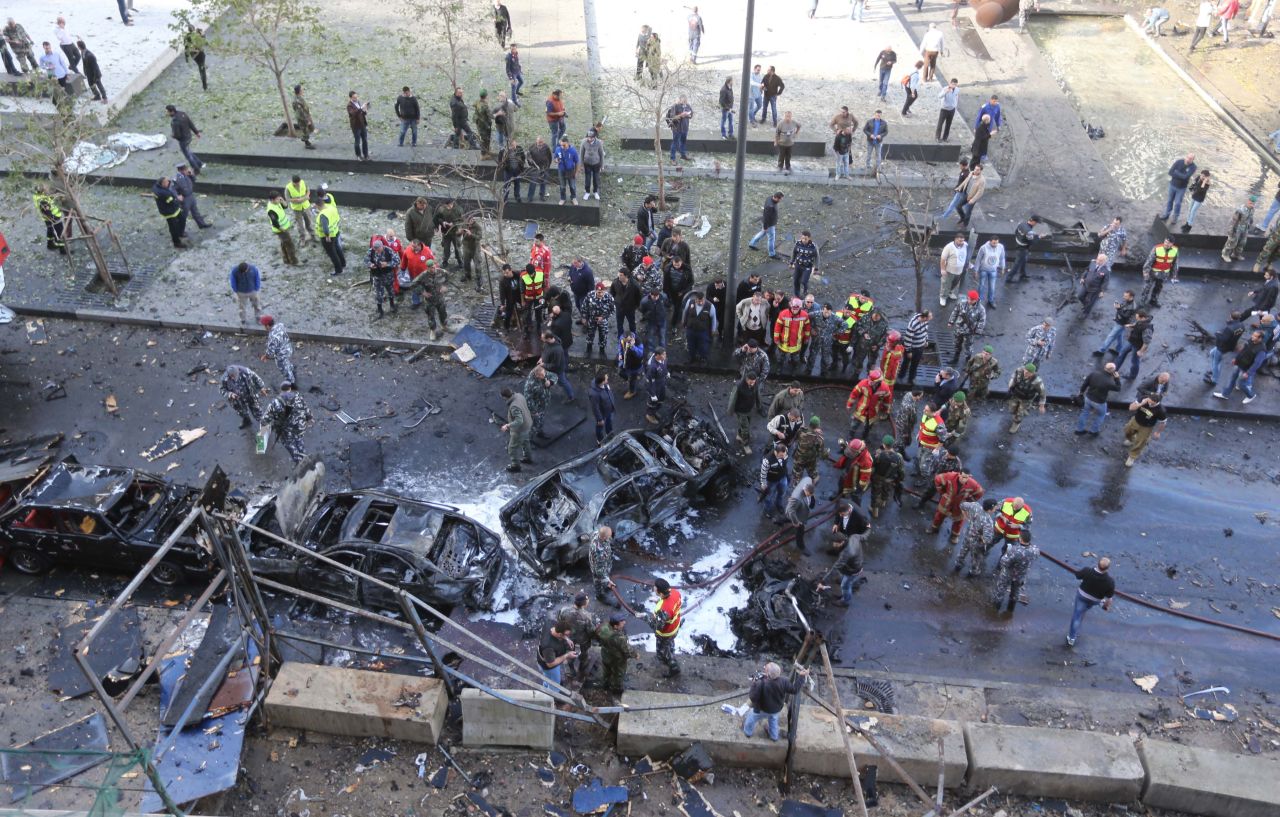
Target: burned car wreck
<point>639,478</point>
<point>100,517</point>
<point>427,549</point>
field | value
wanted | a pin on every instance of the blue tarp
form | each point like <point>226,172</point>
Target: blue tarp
<point>490,354</point>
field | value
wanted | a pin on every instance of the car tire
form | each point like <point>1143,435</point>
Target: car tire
<point>25,560</point>
<point>167,574</point>
<point>720,489</point>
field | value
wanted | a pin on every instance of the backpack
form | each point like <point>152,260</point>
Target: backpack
<point>906,80</point>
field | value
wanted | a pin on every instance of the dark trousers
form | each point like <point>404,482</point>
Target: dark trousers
<point>629,316</point>
<point>361,138</point>
<point>914,356</point>
<point>912,96</point>
<point>699,344</point>
<point>590,178</point>
<point>784,157</point>
<point>448,240</point>
<point>800,280</point>
<point>99,92</point>
<point>73,57</point>
<point>176,226</point>
<point>1019,271</point>
<point>512,180</point>
<point>204,74</point>
<point>334,250</point>
<point>944,124</point>
<point>1197,37</point>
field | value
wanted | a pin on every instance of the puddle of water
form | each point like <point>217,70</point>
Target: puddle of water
<point>1151,117</point>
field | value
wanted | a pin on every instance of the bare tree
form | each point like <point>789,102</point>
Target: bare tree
<point>652,96</point>
<point>454,23</point>
<point>268,33</point>
<point>40,153</point>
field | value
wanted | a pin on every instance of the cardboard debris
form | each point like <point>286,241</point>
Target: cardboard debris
<point>111,405</point>
<point>172,441</point>
<point>1179,605</point>
<point>1146,682</point>
<point>36,334</point>
<point>1226,713</point>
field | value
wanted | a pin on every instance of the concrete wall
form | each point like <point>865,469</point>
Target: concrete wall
<point>1053,763</point>
<point>913,741</point>
<point>488,721</point>
<point>356,703</point>
<point>1200,781</point>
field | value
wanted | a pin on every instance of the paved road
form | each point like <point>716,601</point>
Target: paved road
<point>1163,521</point>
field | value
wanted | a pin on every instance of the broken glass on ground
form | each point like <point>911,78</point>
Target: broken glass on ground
<point>55,756</point>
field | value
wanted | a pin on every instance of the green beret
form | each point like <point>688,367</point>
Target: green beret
<point>988,349</point>
<point>958,397</point>
<point>1031,367</point>
<point>887,439</point>
<point>815,421</point>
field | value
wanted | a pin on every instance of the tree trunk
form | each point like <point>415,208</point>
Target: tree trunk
<point>657,153</point>
<point>595,69</point>
<point>284,102</point>
<point>91,238</point>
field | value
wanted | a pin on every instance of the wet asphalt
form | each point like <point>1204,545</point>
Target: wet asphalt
<point>1164,522</point>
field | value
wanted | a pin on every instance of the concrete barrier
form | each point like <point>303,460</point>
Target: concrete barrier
<point>1054,763</point>
<point>913,742</point>
<point>1202,781</point>
<point>665,732</point>
<point>356,703</point>
<point>488,721</point>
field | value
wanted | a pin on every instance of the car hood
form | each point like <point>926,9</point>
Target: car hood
<point>298,498</point>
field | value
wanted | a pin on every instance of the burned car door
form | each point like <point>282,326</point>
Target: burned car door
<point>327,580</point>
<point>623,510</point>
<point>665,493</point>
<point>394,570</point>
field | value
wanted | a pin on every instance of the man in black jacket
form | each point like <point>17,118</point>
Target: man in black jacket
<point>184,130</point>
<point>1224,343</point>
<point>555,359</point>
<point>699,324</point>
<point>647,222</point>
<point>1093,391</point>
<point>409,113</point>
<point>626,299</point>
<point>804,263</point>
<point>461,120</point>
<point>509,292</point>
<point>768,695</point>
<point>92,72</point>
<point>1096,587</point>
<point>1125,308</point>
<point>768,225</point>
<point>512,160</point>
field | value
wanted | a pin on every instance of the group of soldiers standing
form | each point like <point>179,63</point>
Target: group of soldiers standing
<point>287,415</point>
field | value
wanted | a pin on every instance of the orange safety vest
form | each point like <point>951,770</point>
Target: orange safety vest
<point>857,473</point>
<point>1163,262</point>
<point>671,605</point>
<point>891,363</point>
<point>865,399</point>
<point>1009,523</point>
<point>534,285</point>
<point>929,425</point>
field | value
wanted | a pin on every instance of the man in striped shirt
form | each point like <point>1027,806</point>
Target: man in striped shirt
<point>914,339</point>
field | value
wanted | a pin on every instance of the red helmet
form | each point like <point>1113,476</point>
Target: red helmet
<point>895,336</point>
<point>875,374</point>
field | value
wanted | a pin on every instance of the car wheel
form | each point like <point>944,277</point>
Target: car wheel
<point>28,561</point>
<point>166,574</point>
<point>721,488</point>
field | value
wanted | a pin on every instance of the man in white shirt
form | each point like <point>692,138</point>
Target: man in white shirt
<point>54,64</point>
<point>930,47</point>
<point>951,268</point>
<point>67,43</point>
<point>990,264</point>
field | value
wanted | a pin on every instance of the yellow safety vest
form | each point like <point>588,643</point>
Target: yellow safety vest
<point>329,213</point>
<point>282,217</point>
<point>1163,262</point>
<point>42,200</point>
<point>300,191</point>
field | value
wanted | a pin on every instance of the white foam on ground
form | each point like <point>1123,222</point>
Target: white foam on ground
<point>710,616</point>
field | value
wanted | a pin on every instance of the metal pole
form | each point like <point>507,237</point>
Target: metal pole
<point>739,168</point>
<point>843,730</point>
<point>427,644</point>
<point>595,70</point>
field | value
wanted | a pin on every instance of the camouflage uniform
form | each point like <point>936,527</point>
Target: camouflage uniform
<point>472,232</point>
<point>433,297</point>
<point>810,449</point>
<point>280,348</point>
<point>1015,564</point>
<point>597,308</point>
<point>958,416</point>
<point>484,122</point>
<point>600,558</point>
<point>969,318</point>
<point>980,373</point>
<point>1036,336</point>
<point>870,335</point>
<point>935,462</point>
<point>614,654</point>
<point>1025,394</point>
<point>1238,233</point>
<point>756,365</point>
<point>1270,249</point>
<point>824,333</point>
<point>288,416</point>
<point>537,394</point>
<point>905,418</point>
<point>978,534</point>
<point>241,387</point>
<point>649,279</point>
<point>383,263</point>
<point>887,473</point>
<point>581,625</point>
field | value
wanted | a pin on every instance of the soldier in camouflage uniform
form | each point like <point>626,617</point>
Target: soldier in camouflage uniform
<point>242,389</point>
<point>537,394</point>
<point>968,319</point>
<point>871,331</point>
<point>581,625</point>
<point>1238,231</point>
<point>824,326</point>
<point>471,260</point>
<point>979,371</point>
<point>483,115</point>
<point>600,558</point>
<point>810,449</point>
<point>887,473</point>
<point>433,292</point>
<point>615,651</point>
<point>1040,343</point>
<point>1026,391</point>
<point>752,361</point>
<point>979,533</point>
<point>597,309</point>
<point>302,121</point>
<point>906,416</point>
<point>957,414</point>
<point>288,416</point>
<point>1270,249</point>
<point>1015,566</point>
<point>383,262</point>
<point>279,347</point>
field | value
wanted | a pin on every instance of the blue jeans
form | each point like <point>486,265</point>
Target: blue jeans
<point>987,286</point>
<point>884,82</point>
<point>1238,377</point>
<point>1215,365</point>
<point>553,675</point>
<point>754,717</point>
<point>1266,221</point>
<point>1082,606</point>
<point>726,124</point>
<point>772,232</point>
<point>124,11</point>
<point>842,165</point>
<point>571,181</point>
<point>1115,336</point>
<point>1174,205</point>
<point>655,335</point>
<point>769,106</point>
<point>361,138</point>
<point>874,150</point>
<point>604,427</point>
<point>557,130</point>
<point>800,280</point>
<point>698,344</point>
<point>407,125</point>
<point>1191,214</point>
<point>193,159</point>
<point>847,585</point>
<point>517,82</point>
<point>1125,348</point>
<point>858,6</point>
<point>563,376</point>
<point>1091,408</point>
<point>678,139</point>
<point>757,102</point>
<point>775,496</point>
<point>954,203</point>
<point>1019,271</point>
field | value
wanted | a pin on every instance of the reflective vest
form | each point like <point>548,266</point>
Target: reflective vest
<point>891,363</point>
<point>292,192</point>
<point>534,285</point>
<point>859,305</point>
<point>671,605</point>
<point>857,470</point>
<point>282,218</point>
<point>928,435</point>
<point>865,399</point>
<point>1009,523</point>
<point>1164,259</point>
<point>328,212</point>
<point>844,329</point>
<point>791,331</point>
<point>47,206</point>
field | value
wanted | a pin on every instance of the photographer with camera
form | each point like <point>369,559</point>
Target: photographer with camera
<point>769,691</point>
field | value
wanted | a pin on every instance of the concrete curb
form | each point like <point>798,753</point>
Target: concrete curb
<point>1030,761</point>
<point>106,316</point>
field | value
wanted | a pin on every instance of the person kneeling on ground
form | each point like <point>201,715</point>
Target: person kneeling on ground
<point>768,695</point>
